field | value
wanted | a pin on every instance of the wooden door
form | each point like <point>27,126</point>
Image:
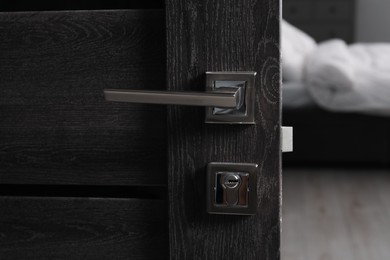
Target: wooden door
<point>82,178</point>
<point>223,35</point>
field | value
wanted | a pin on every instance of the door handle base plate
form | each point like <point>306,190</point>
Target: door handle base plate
<point>240,79</point>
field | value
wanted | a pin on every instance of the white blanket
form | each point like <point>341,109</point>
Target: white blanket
<point>296,46</point>
<point>350,78</point>
<point>345,78</point>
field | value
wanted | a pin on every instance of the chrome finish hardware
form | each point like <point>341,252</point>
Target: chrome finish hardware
<point>245,80</point>
<point>232,188</point>
<point>223,97</point>
<point>229,97</point>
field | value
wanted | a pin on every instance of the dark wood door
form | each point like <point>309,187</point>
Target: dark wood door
<point>82,178</point>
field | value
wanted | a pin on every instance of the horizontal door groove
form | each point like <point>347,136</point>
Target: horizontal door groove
<point>84,191</point>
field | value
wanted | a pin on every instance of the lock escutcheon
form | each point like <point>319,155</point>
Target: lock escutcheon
<point>232,188</point>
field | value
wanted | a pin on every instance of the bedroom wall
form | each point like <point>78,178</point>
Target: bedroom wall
<point>372,21</point>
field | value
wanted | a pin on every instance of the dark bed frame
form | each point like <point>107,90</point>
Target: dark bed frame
<point>323,138</point>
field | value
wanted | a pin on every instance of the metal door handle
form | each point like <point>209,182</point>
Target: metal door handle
<point>221,97</point>
<point>229,97</point>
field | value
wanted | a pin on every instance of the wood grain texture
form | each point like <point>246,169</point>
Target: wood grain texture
<point>336,214</point>
<point>42,5</point>
<point>55,126</point>
<point>223,36</point>
<point>65,228</point>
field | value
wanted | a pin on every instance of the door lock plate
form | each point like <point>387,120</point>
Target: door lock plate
<point>244,80</point>
<point>232,188</point>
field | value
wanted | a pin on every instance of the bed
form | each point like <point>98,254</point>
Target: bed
<point>337,98</point>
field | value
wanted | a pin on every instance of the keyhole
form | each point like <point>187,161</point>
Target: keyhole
<point>231,181</point>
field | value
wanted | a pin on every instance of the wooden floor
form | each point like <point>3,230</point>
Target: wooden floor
<point>336,214</point>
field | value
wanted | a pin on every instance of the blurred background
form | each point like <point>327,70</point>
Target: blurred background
<point>336,183</point>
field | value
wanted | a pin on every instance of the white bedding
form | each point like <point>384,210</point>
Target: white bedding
<point>296,95</point>
<point>350,78</point>
<point>338,76</point>
<point>296,46</point>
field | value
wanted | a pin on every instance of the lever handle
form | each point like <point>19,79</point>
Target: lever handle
<point>222,97</point>
<point>229,97</point>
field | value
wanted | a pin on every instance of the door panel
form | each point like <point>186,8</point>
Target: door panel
<point>55,126</point>
<point>83,228</point>
<point>58,137</point>
<point>223,36</point>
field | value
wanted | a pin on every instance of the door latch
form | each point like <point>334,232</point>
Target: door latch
<point>286,139</point>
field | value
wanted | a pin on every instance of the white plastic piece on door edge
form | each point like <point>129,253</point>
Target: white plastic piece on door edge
<point>287,138</point>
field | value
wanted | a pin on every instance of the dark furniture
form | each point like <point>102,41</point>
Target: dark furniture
<point>322,19</point>
<point>323,138</point>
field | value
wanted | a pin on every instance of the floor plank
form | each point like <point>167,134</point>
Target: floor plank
<point>336,214</point>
